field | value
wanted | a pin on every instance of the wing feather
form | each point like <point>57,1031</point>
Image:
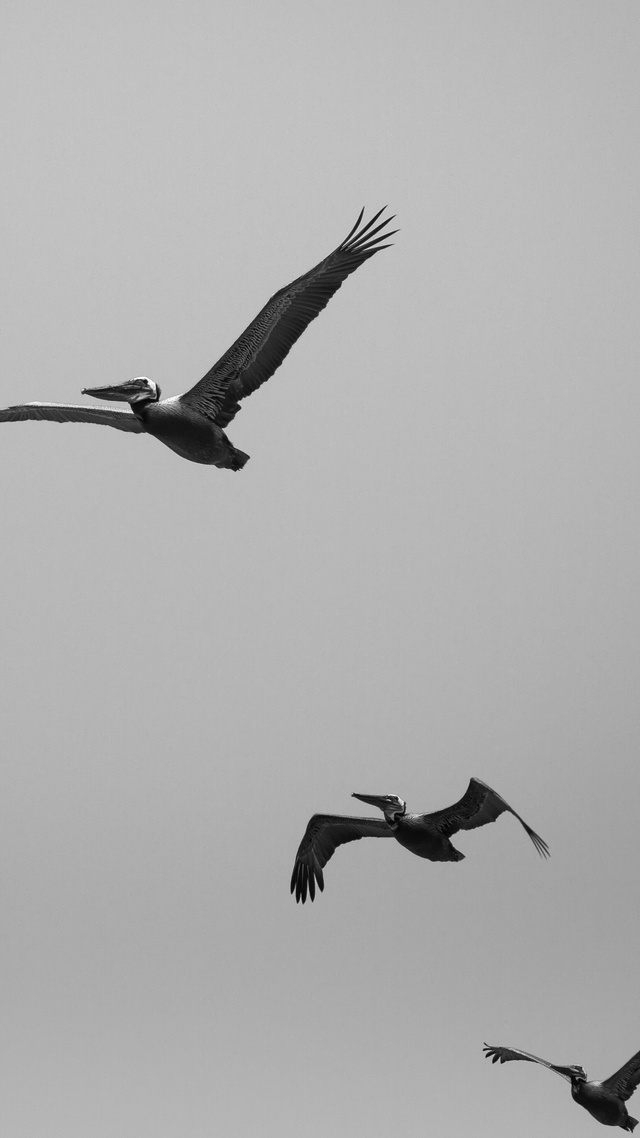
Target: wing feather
<point>70,413</point>
<point>507,1054</point>
<point>322,837</point>
<point>478,806</point>
<point>262,347</point>
<point>625,1081</point>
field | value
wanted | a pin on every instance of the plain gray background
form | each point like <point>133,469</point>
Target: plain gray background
<point>428,570</point>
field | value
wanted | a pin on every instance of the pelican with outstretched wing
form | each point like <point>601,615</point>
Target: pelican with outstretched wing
<point>193,424</point>
<point>604,1101</point>
<point>426,835</point>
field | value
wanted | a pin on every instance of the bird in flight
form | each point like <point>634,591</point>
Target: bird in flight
<point>426,835</point>
<point>193,424</point>
<point>604,1101</point>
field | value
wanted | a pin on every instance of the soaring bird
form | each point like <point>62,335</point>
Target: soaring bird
<point>604,1101</point>
<point>426,835</point>
<point>192,424</point>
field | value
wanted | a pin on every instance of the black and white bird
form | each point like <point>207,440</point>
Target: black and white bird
<point>426,835</point>
<point>604,1100</point>
<point>193,424</point>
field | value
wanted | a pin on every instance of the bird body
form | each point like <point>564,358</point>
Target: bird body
<point>189,433</point>
<point>416,835</point>
<point>605,1100</point>
<point>426,835</point>
<point>193,424</point>
<point>602,1104</point>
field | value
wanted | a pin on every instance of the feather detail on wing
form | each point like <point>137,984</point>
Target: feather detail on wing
<point>506,1054</point>
<point>323,835</point>
<point>261,348</point>
<point>625,1081</point>
<point>478,806</point>
<point>70,413</point>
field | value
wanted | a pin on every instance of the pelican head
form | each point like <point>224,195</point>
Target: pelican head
<point>575,1071</point>
<point>392,807</point>
<point>139,390</point>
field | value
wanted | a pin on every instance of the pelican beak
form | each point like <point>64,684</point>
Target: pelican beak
<point>379,800</point>
<point>123,392</point>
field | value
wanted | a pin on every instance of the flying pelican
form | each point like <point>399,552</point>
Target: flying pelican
<point>192,424</point>
<point>604,1101</point>
<point>426,835</point>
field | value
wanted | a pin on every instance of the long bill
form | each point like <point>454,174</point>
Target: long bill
<point>123,392</point>
<point>379,800</point>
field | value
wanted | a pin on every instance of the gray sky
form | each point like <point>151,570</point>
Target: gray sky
<point>428,569</point>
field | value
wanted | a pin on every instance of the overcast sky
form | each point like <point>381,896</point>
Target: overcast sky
<point>428,570</point>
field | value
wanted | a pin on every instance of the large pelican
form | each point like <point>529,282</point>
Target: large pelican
<point>604,1101</point>
<point>192,424</point>
<point>426,835</point>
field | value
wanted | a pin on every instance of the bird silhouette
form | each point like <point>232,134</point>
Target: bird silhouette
<point>426,835</point>
<point>193,424</point>
<point>604,1100</point>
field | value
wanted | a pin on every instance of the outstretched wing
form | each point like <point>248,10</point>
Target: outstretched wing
<point>625,1081</point>
<point>323,835</point>
<point>70,413</point>
<point>506,1054</point>
<point>264,344</point>
<point>478,806</point>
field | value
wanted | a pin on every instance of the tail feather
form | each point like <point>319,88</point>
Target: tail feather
<point>239,459</point>
<point>631,1123</point>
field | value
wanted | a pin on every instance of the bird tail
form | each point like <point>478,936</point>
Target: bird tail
<point>238,459</point>
<point>231,459</point>
<point>631,1123</point>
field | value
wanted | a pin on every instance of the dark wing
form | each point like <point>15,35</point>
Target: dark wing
<point>70,413</point>
<point>625,1081</point>
<point>506,1054</point>
<point>264,344</point>
<point>478,806</point>
<point>322,837</point>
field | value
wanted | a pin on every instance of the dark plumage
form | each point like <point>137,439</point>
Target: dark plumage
<point>192,424</point>
<point>604,1100</point>
<point>426,835</point>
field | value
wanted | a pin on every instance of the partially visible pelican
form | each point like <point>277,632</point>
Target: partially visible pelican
<point>426,835</point>
<point>192,424</point>
<point>604,1101</point>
